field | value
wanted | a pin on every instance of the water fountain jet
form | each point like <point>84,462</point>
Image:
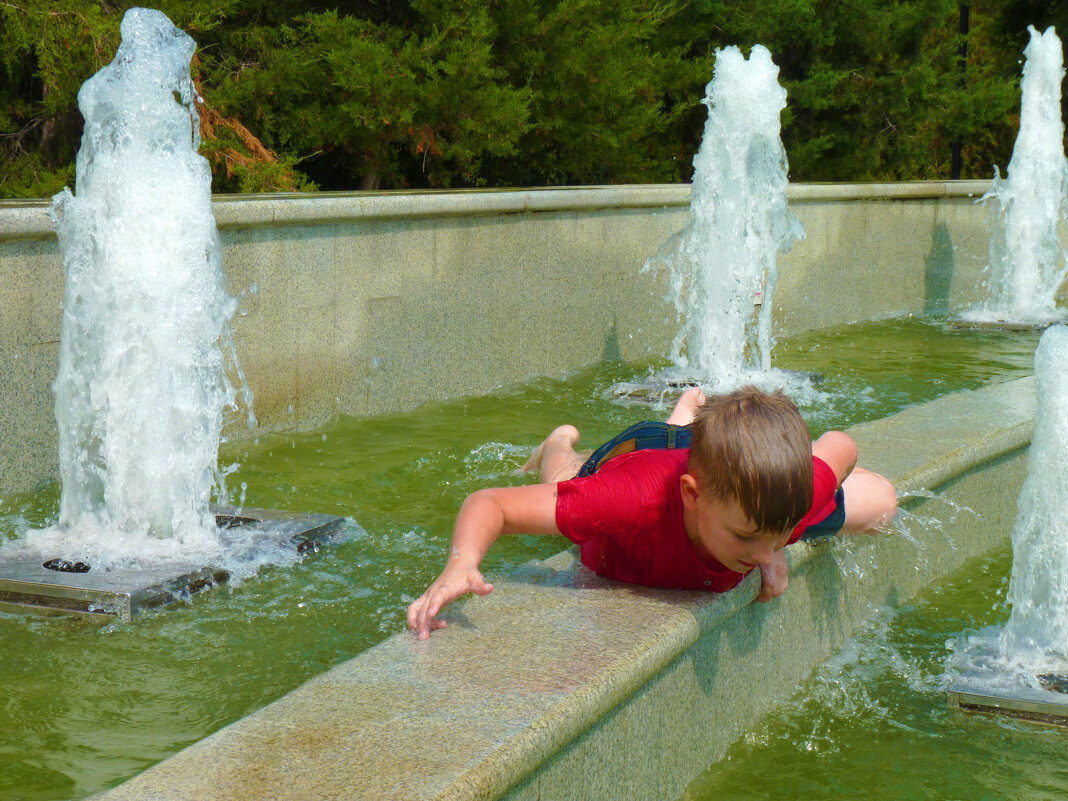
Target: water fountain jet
<point>722,265</point>
<point>1021,670</point>
<point>142,384</point>
<point>1027,262</point>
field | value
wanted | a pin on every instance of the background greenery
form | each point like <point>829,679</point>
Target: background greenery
<point>388,94</point>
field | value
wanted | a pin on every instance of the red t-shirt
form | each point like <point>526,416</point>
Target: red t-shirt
<point>627,521</point>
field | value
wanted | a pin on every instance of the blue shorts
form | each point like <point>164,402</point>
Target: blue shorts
<point>831,524</point>
<point>665,436</point>
<point>639,437</point>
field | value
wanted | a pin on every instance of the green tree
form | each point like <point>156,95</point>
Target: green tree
<point>371,104</point>
<point>48,48</point>
<point>414,93</point>
<point>44,46</point>
<point>874,92</point>
<point>608,94</point>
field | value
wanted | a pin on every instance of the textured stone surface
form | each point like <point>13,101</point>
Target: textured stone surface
<point>563,685</point>
<point>31,297</point>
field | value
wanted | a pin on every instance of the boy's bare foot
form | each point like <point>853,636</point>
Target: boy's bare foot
<point>555,455</point>
<point>565,435</point>
<point>689,402</point>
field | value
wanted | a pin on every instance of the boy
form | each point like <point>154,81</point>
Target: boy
<point>647,509</point>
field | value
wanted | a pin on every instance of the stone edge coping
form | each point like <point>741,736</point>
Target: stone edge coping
<point>919,449</point>
<point>28,219</point>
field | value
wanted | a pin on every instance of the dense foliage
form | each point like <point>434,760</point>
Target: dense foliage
<point>299,94</point>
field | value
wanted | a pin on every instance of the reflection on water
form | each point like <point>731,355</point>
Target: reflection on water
<point>86,706</point>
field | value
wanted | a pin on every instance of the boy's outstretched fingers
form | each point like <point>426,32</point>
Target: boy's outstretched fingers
<point>415,612</point>
<point>422,613</point>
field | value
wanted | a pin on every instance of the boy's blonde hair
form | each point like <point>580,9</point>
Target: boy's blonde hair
<point>753,448</point>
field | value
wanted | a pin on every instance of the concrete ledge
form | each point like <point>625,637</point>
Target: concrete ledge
<point>801,193</point>
<point>29,219</point>
<point>25,219</point>
<point>563,685</point>
<point>239,211</point>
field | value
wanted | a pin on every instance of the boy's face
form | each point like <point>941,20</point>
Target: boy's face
<point>721,529</point>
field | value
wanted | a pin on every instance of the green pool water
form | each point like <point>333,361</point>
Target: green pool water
<point>86,706</point>
<point>873,721</point>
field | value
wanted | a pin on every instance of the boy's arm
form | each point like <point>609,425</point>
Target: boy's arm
<point>839,451</point>
<point>484,516</point>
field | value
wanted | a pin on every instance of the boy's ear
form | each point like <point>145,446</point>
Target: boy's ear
<point>690,490</point>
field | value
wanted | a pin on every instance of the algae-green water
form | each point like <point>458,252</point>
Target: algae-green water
<point>873,721</point>
<point>87,705</point>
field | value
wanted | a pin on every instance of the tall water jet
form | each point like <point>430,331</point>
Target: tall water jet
<point>1036,636</point>
<point>1022,668</point>
<point>1027,262</point>
<point>725,258</point>
<point>141,385</point>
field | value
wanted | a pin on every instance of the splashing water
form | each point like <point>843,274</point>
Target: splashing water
<point>1026,260</point>
<point>1004,659</point>
<point>1037,631</point>
<point>725,257</point>
<point>141,385</point>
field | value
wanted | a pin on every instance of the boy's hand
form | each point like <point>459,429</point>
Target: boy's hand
<point>775,576</point>
<point>485,515</point>
<point>454,581</point>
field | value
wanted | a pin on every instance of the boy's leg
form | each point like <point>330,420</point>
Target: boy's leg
<point>686,407</point>
<point>870,502</point>
<point>556,458</point>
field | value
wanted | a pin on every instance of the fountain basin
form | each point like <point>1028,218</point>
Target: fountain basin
<point>870,241</point>
<point>32,586</point>
<point>327,332</point>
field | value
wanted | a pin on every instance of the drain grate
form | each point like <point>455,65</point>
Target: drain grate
<point>1054,682</point>
<point>63,566</point>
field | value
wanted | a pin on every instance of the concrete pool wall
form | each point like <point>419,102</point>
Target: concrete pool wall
<point>363,303</point>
